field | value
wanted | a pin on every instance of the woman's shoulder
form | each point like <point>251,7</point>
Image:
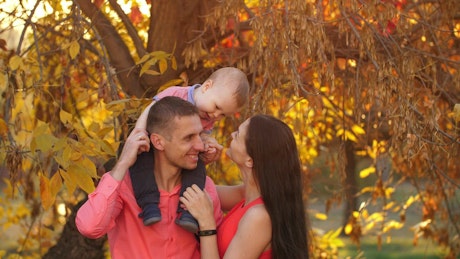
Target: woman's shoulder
<point>257,214</point>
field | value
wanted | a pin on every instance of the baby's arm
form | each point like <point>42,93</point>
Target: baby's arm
<point>142,120</point>
<point>212,149</point>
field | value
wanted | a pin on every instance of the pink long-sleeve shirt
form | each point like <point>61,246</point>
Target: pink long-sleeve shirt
<point>112,209</point>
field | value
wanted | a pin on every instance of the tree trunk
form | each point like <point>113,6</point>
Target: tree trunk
<point>351,185</point>
<point>72,244</point>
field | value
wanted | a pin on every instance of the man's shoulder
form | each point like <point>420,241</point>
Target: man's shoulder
<point>210,186</point>
<point>210,182</point>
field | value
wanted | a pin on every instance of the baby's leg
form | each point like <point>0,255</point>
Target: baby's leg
<point>189,177</point>
<point>145,187</point>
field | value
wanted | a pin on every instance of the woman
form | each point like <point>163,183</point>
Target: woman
<point>269,219</point>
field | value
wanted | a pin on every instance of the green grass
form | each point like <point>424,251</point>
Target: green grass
<point>401,248</point>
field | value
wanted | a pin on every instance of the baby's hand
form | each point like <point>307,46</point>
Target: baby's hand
<point>212,149</point>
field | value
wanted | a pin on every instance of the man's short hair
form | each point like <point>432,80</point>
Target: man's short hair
<point>161,116</point>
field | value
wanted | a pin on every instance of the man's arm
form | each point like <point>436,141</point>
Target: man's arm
<point>97,215</point>
<point>137,142</point>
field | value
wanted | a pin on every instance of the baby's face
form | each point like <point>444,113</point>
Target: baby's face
<point>215,102</point>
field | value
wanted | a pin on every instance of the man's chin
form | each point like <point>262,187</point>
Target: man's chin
<point>190,166</point>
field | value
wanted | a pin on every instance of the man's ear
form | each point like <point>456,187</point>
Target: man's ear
<point>157,141</point>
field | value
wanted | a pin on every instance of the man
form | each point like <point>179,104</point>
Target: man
<point>175,134</point>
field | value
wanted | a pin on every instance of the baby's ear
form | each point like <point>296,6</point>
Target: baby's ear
<point>207,85</point>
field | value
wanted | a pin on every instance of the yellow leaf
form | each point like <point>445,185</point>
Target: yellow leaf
<point>457,112</point>
<point>3,81</point>
<point>336,233</point>
<point>152,72</point>
<point>82,178</point>
<point>65,117</point>
<point>348,229</point>
<point>107,148</point>
<point>389,205</point>
<point>163,64</point>
<point>74,49</point>
<point>69,182</point>
<point>369,226</point>
<point>104,131</point>
<point>3,128</point>
<point>55,184</point>
<point>411,200</point>
<point>22,211</point>
<point>389,191</point>
<point>44,142</point>
<point>358,130</point>
<point>88,166</point>
<point>350,136</point>
<point>321,216</point>
<point>366,172</point>
<point>159,54</point>
<point>76,156</point>
<point>143,59</point>
<point>339,132</point>
<point>15,62</point>
<point>45,193</point>
<point>173,63</point>
<point>64,159</point>
<point>146,67</point>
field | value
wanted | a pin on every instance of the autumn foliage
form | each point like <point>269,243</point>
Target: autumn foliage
<point>373,82</point>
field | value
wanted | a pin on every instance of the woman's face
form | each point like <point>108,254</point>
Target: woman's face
<point>237,150</point>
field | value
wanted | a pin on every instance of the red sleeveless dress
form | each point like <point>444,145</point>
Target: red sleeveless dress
<point>229,225</point>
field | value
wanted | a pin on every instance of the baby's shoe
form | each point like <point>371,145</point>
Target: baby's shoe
<point>151,214</point>
<point>187,221</point>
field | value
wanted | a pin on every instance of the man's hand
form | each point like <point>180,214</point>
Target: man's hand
<point>137,142</point>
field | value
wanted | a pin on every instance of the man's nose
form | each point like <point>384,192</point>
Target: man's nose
<point>199,144</point>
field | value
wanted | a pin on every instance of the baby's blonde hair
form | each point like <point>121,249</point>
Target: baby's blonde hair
<point>233,76</point>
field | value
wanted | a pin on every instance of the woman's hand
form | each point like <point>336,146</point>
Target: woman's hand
<point>199,204</point>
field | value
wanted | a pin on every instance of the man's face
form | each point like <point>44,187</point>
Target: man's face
<point>185,143</point>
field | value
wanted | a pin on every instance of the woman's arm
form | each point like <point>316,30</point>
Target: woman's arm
<point>200,206</point>
<point>253,235</point>
<point>229,196</point>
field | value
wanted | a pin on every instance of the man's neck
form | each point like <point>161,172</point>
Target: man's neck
<point>166,176</point>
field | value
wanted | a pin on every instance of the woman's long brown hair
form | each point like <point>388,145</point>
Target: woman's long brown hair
<point>276,165</point>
